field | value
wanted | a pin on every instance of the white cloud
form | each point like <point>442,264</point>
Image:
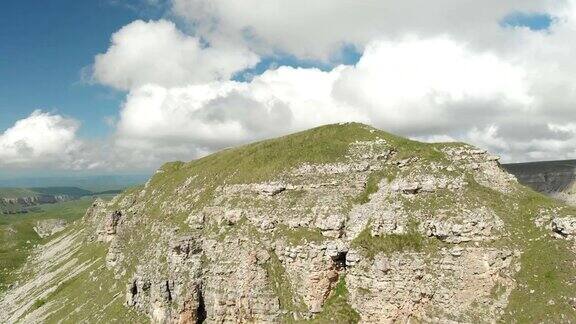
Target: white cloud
<point>416,87</point>
<point>423,86</point>
<point>157,52</point>
<point>41,139</point>
<point>318,29</point>
<point>187,121</point>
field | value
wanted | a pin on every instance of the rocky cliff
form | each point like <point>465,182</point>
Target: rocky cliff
<point>20,205</point>
<point>553,178</point>
<point>19,200</point>
<point>342,223</point>
<point>34,200</point>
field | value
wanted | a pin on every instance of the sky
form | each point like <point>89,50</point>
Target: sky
<point>44,47</point>
<point>108,86</point>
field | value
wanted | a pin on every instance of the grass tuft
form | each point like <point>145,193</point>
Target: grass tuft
<point>370,245</point>
<point>336,308</point>
<point>39,303</point>
<point>281,285</point>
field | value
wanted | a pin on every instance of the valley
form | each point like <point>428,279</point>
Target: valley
<point>33,216</point>
<point>554,178</point>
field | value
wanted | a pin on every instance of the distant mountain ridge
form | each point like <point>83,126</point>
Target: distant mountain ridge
<point>19,200</point>
<point>18,195</point>
<point>554,178</point>
<point>94,183</point>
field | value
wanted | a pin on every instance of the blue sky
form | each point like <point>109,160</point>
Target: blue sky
<point>44,45</point>
<point>534,21</point>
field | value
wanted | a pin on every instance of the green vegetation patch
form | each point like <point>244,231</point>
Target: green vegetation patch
<point>429,203</point>
<point>299,235</point>
<point>281,285</point>
<point>431,152</point>
<point>372,185</point>
<point>336,308</point>
<point>370,188</point>
<point>39,303</point>
<point>370,245</point>
<point>17,235</point>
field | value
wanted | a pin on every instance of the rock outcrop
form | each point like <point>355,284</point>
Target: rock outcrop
<point>48,227</point>
<point>564,226</point>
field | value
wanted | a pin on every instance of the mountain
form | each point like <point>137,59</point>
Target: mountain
<point>338,224</point>
<point>20,200</point>
<point>554,178</point>
<point>94,183</point>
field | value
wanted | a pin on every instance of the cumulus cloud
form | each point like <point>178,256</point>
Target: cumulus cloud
<point>432,88</point>
<point>428,74</point>
<point>193,120</point>
<point>421,86</point>
<point>41,139</point>
<point>157,52</point>
<point>319,28</point>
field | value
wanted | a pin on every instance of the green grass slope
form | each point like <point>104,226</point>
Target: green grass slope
<point>269,159</point>
<point>18,238</point>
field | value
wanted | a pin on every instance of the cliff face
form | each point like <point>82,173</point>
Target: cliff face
<point>340,223</point>
<point>34,200</point>
<point>554,178</point>
<point>19,200</point>
<point>20,205</point>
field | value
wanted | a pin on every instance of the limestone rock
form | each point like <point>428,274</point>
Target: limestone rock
<point>564,226</point>
<point>47,227</point>
<point>109,227</point>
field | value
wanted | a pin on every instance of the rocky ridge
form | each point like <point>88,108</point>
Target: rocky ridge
<point>342,223</point>
<point>18,205</point>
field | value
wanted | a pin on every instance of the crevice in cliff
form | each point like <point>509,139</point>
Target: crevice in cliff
<point>134,290</point>
<point>201,310</point>
<point>168,292</point>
